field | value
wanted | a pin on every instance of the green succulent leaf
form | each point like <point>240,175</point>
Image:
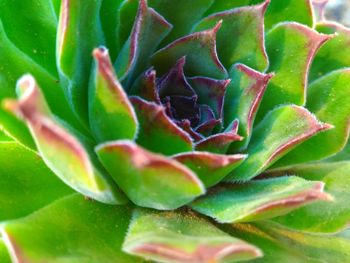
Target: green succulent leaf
<point>200,51</point>
<point>4,137</point>
<point>61,151</point>
<point>110,22</point>
<point>111,114</point>
<point>4,255</point>
<point>72,229</point>
<point>321,217</point>
<point>14,63</point>
<point>219,143</point>
<point>259,199</point>
<point>281,130</point>
<point>289,10</point>
<point>241,36</point>
<point>326,96</point>
<point>16,129</point>
<point>148,179</point>
<point>291,48</point>
<point>243,97</point>
<point>182,14</point>
<point>182,237</point>
<point>145,86</point>
<point>149,29</point>
<point>26,184</point>
<point>210,168</point>
<point>79,32</point>
<point>38,41</point>
<point>280,244</point>
<point>278,11</point>
<point>157,132</point>
<point>335,54</point>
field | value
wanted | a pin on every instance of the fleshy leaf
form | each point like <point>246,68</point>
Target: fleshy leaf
<point>149,29</point>
<point>329,100</point>
<point>4,254</point>
<point>111,115</point>
<point>182,14</point>
<point>291,48</point>
<point>335,54</point>
<point>220,142</point>
<point>322,216</point>
<point>183,237</point>
<point>110,21</point>
<point>278,11</point>
<point>16,129</point>
<point>148,179</point>
<point>174,82</point>
<point>243,97</point>
<point>79,32</point>
<point>62,152</point>
<point>210,92</point>
<point>210,168</point>
<point>36,41</point>
<point>14,63</point>
<point>259,199</point>
<point>241,37</point>
<point>145,86</point>
<point>72,229</point>
<point>157,132</point>
<point>26,184</point>
<point>200,51</point>
<point>280,131</point>
<point>280,244</point>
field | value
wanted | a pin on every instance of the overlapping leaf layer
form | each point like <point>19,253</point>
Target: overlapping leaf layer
<point>173,131</point>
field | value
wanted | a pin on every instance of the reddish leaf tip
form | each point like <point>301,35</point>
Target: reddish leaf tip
<point>264,6</point>
<point>311,195</point>
<point>217,27</point>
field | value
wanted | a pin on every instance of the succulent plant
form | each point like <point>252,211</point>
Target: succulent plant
<point>173,131</point>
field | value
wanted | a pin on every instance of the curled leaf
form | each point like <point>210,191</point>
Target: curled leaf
<point>62,152</point>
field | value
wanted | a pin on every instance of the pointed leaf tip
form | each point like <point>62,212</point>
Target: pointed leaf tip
<point>289,84</point>
<point>158,133</point>
<point>280,131</point>
<point>62,152</point>
<point>149,29</point>
<point>200,51</point>
<point>242,31</point>
<point>243,98</point>
<point>111,114</point>
<point>148,179</point>
<point>220,142</point>
<point>260,199</point>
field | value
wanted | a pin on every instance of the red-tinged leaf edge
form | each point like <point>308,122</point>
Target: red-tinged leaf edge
<point>106,71</point>
<point>140,161</point>
<point>154,115</point>
<point>220,142</point>
<point>203,253</point>
<point>206,165</point>
<point>33,108</point>
<point>208,39</point>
